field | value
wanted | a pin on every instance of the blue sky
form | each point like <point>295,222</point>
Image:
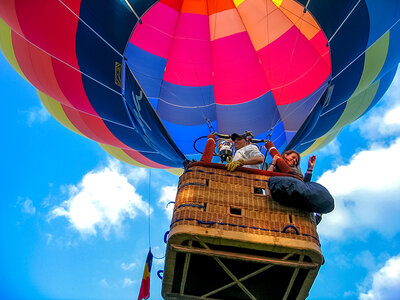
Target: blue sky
<point>74,221</point>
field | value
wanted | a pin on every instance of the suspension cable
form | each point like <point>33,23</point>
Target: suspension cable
<point>149,215</point>
<point>149,208</point>
<point>88,26</point>
<point>348,65</point>
<point>344,21</point>
<point>133,11</point>
<point>210,126</point>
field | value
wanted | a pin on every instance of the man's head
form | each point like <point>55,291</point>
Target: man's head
<point>239,140</point>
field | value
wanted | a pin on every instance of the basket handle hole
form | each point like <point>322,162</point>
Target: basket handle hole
<point>235,211</point>
<point>260,191</point>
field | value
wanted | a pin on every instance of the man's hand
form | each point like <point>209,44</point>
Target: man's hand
<point>235,164</point>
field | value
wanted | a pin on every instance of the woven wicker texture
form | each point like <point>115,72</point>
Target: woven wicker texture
<point>240,202</point>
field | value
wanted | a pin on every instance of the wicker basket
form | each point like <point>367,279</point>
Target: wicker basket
<point>230,240</point>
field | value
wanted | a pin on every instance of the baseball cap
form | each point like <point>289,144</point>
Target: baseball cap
<point>235,136</point>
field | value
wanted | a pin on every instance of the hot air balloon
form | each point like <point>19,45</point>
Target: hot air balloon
<point>302,68</point>
<point>146,78</point>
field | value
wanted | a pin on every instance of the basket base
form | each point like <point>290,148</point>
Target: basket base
<point>204,265</point>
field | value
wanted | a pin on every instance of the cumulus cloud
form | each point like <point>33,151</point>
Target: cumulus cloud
<point>37,115</point>
<point>394,87</point>
<point>385,282</point>
<point>102,200</point>
<point>127,266</point>
<point>128,282</point>
<point>133,174</point>
<point>49,237</point>
<point>382,123</point>
<point>365,259</point>
<point>104,283</point>
<point>333,148</point>
<point>168,194</point>
<point>27,207</point>
<point>366,193</point>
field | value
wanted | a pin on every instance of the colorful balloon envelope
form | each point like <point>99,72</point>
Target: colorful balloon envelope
<point>146,78</point>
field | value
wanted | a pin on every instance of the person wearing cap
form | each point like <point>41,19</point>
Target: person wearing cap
<point>247,155</point>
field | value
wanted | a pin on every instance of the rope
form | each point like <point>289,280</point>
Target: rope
<point>170,202</point>
<point>348,65</point>
<point>192,183</point>
<point>166,236</point>
<point>210,127</point>
<point>341,71</point>
<point>306,7</point>
<point>94,31</point>
<point>201,222</point>
<point>191,205</point>
<point>290,226</point>
<point>149,215</point>
<point>344,21</point>
<point>194,143</point>
<point>227,175</point>
<point>72,67</point>
<point>134,12</point>
<point>310,97</point>
<point>149,219</point>
<point>301,19</point>
<point>90,77</point>
<point>159,273</point>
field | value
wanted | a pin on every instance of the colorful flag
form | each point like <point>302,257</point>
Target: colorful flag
<point>145,287</point>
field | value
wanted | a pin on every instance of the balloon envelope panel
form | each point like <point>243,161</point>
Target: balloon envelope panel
<point>243,65</point>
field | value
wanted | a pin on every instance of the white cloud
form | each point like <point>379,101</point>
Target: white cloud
<point>102,200</point>
<point>128,266</point>
<point>385,282</point>
<point>366,194</point>
<point>392,116</point>
<point>394,87</point>
<point>133,174</point>
<point>37,115</point>
<point>28,207</point>
<point>341,261</point>
<point>104,283</point>
<point>49,237</point>
<point>383,122</point>
<point>365,259</point>
<point>333,148</point>
<point>348,294</point>
<point>168,194</point>
<point>128,282</point>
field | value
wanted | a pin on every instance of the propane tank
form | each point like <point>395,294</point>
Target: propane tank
<point>225,150</point>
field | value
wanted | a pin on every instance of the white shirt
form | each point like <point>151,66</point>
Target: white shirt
<point>247,152</point>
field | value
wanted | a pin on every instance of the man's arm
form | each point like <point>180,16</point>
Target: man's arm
<point>254,155</point>
<point>254,160</point>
